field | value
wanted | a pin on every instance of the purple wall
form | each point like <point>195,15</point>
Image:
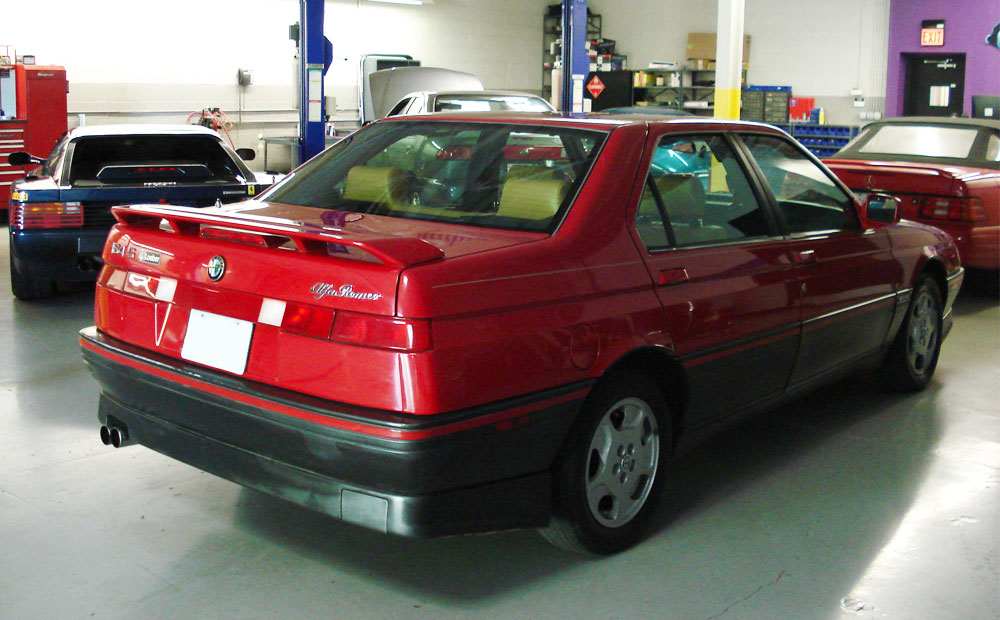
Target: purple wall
<point>967,24</point>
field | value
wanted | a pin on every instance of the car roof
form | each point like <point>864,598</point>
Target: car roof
<point>937,120</point>
<point>605,122</point>
<point>480,93</point>
<point>141,129</point>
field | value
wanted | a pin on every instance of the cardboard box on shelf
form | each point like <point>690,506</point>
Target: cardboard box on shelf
<point>701,45</point>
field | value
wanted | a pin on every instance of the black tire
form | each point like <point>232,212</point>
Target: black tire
<point>602,502</point>
<point>25,288</point>
<point>913,356</point>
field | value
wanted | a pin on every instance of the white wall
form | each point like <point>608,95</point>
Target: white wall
<point>156,61</point>
<point>820,48</point>
<point>131,61</point>
<point>191,43</point>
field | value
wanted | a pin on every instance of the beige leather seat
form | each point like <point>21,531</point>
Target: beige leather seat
<point>381,185</point>
<point>684,198</point>
<point>531,198</point>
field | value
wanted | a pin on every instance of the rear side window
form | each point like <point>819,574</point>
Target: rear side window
<point>151,158</point>
<point>697,193</point>
<point>808,200</point>
<point>399,107</point>
<point>993,148</point>
<point>55,160</point>
<point>479,174</point>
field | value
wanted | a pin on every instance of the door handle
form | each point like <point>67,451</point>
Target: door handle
<point>673,276</point>
<point>805,257</point>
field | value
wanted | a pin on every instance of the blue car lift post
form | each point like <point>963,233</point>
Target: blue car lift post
<point>315,56</point>
<point>576,64</point>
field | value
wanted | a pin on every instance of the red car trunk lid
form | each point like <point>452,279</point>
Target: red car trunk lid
<point>274,292</point>
<point>899,178</point>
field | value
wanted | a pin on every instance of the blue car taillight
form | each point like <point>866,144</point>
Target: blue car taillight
<point>46,215</point>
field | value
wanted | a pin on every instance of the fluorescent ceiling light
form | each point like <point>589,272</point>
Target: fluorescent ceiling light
<point>399,1</point>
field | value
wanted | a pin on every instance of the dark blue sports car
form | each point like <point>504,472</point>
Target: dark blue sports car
<point>61,213</point>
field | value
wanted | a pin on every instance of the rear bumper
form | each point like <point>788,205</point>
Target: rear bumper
<point>64,255</point>
<point>453,473</point>
<point>981,248</point>
<point>978,246</point>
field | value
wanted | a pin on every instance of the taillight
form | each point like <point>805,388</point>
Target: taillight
<point>954,209</point>
<point>307,320</point>
<point>46,215</point>
<point>382,332</point>
<point>238,236</point>
<point>160,288</point>
<point>364,330</point>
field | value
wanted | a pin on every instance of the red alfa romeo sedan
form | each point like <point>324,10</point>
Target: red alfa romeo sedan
<point>464,323</point>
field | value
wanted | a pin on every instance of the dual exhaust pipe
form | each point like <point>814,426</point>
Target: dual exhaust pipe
<point>114,434</point>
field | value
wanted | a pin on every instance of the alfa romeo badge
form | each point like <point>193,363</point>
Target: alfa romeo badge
<point>216,268</point>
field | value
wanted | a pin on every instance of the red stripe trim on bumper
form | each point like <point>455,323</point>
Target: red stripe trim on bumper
<point>503,420</point>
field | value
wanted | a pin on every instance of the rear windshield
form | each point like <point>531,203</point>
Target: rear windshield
<point>487,103</point>
<point>922,141</point>
<point>479,174</point>
<point>151,158</point>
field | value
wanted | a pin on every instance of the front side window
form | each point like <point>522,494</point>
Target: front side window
<point>809,201</point>
<point>696,193</point>
<point>480,174</point>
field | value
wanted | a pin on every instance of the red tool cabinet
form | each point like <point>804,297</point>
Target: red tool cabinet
<point>33,101</point>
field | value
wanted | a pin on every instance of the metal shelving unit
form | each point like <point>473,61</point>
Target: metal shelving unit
<point>821,140</point>
<point>680,86</point>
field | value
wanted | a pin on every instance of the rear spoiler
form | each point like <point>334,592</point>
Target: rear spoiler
<point>884,169</point>
<point>399,252</point>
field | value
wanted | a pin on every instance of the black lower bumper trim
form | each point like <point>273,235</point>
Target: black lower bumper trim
<point>504,504</point>
<point>479,479</point>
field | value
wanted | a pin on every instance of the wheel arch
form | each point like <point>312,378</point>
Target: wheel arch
<point>667,374</point>
<point>935,269</point>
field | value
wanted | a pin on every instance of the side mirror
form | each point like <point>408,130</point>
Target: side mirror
<point>247,154</point>
<point>21,158</point>
<point>882,208</point>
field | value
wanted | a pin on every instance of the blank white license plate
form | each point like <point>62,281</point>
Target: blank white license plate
<point>218,341</point>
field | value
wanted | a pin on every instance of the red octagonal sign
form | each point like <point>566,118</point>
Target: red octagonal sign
<point>595,87</point>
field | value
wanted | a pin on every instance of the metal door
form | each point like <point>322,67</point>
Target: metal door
<point>935,85</point>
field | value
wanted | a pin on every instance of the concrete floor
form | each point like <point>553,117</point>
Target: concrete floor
<point>851,503</point>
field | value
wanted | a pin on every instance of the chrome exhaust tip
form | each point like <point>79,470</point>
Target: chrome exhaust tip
<point>119,436</point>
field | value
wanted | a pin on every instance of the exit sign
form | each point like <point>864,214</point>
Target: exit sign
<point>932,33</point>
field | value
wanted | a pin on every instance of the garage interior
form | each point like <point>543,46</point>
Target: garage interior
<point>848,503</point>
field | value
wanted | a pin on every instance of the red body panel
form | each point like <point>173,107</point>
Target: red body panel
<point>511,313</point>
<point>978,242</point>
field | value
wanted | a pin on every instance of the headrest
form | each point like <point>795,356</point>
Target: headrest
<point>530,171</point>
<point>683,196</point>
<point>531,198</point>
<point>375,184</point>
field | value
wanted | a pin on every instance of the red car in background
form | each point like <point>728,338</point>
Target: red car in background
<point>472,322</point>
<point>945,171</point>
